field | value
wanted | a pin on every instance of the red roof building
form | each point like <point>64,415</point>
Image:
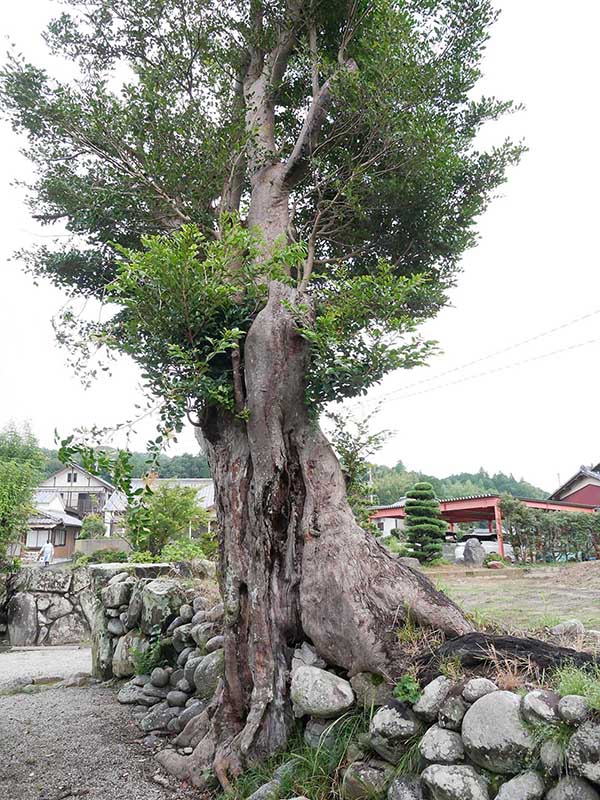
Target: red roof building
<point>583,487</point>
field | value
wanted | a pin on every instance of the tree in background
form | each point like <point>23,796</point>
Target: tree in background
<point>424,528</point>
<point>92,527</point>
<point>170,514</point>
<point>354,443</point>
<point>392,483</point>
<point>20,469</point>
<point>273,195</point>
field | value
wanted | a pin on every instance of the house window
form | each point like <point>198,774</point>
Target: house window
<point>59,537</point>
<point>35,539</point>
<point>71,477</point>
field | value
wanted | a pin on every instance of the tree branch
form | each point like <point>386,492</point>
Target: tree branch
<point>296,165</point>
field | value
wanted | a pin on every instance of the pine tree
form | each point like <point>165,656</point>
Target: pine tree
<point>424,527</point>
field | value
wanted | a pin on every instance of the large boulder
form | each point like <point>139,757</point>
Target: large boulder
<point>318,693</point>
<point>36,579</point>
<point>474,553</point>
<point>87,603</point>
<point>527,786</point>
<point>81,580</point>
<point>495,736</point>
<point>583,752</point>
<point>208,674</point>
<point>70,629</point>
<point>22,620</point>
<point>122,662</point>
<point>454,782</point>
<point>161,598</point>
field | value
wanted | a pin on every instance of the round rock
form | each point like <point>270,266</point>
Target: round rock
<point>406,788</point>
<point>428,705</point>
<point>527,786</point>
<point>455,782</point>
<point>318,693</point>
<point>478,687</point>
<point>176,698</point>
<point>540,706</point>
<point>572,789</point>
<point>573,708</point>
<point>495,736</point>
<point>391,726</point>
<point>441,746</point>
<point>583,752</point>
<point>159,677</point>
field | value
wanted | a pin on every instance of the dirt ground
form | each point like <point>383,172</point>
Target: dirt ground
<point>62,744</point>
<point>541,597</point>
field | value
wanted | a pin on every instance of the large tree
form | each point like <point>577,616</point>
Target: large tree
<point>274,194</point>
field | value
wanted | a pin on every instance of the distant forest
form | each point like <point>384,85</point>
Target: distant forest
<point>392,483</point>
<point>389,483</point>
<point>183,466</point>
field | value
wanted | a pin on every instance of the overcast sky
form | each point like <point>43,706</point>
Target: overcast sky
<point>535,269</point>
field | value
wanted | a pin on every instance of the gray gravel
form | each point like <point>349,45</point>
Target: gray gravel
<point>59,744</point>
<point>40,662</point>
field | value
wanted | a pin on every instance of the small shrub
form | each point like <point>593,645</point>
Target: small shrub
<point>10,565</point>
<point>144,661</point>
<point>451,667</point>
<point>141,557</point>
<point>81,560</point>
<point>496,557</point>
<point>584,681</point>
<point>107,556</point>
<point>407,690</point>
<point>184,550</point>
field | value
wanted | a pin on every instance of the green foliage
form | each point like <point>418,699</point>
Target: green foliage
<point>538,535</point>
<point>150,132</point>
<point>106,556</point>
<point>584,681</point>
<point>92,527</point>
<point>424,529</point>
<point>354,443</point>
<point>310,772</point>
<point>80,560</point>
<point>20,465</point>
<point>182,550</point>
<point>491,557</point>
<point>451,667</point>
<point>141,557</point>
<point>407,690</point>
<point>144,661</point>
<point>169,514</point>
<point>392,483</point>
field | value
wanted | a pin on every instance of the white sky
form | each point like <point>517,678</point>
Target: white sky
<point>534,269</point>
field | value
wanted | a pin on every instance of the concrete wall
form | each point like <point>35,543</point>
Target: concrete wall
<point>89,546</point>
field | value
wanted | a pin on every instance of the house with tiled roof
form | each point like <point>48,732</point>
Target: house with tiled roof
<point>582,487</point>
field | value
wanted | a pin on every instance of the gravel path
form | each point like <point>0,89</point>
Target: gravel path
<point>44,662</point>
<point>62,744</point>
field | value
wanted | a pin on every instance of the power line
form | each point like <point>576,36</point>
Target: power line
<point>388,398</point>
<point>514,346</point>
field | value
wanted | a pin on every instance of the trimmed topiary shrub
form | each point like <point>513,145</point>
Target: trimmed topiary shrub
<point>424,527</point>
<point>107,556</point>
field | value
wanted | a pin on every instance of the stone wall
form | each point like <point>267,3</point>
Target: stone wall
<point>48,606</point>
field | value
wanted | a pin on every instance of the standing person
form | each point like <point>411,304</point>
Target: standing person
<point>47,553</point>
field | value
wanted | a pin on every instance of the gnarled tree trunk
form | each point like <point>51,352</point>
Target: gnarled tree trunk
<point>294,564</point>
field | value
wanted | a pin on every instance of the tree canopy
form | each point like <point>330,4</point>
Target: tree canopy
<point>370,107</point>
<point>20,470</point>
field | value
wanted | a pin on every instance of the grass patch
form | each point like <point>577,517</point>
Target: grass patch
<point>312,772</point>
<point>584,681</point>
<point>451,667</point>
